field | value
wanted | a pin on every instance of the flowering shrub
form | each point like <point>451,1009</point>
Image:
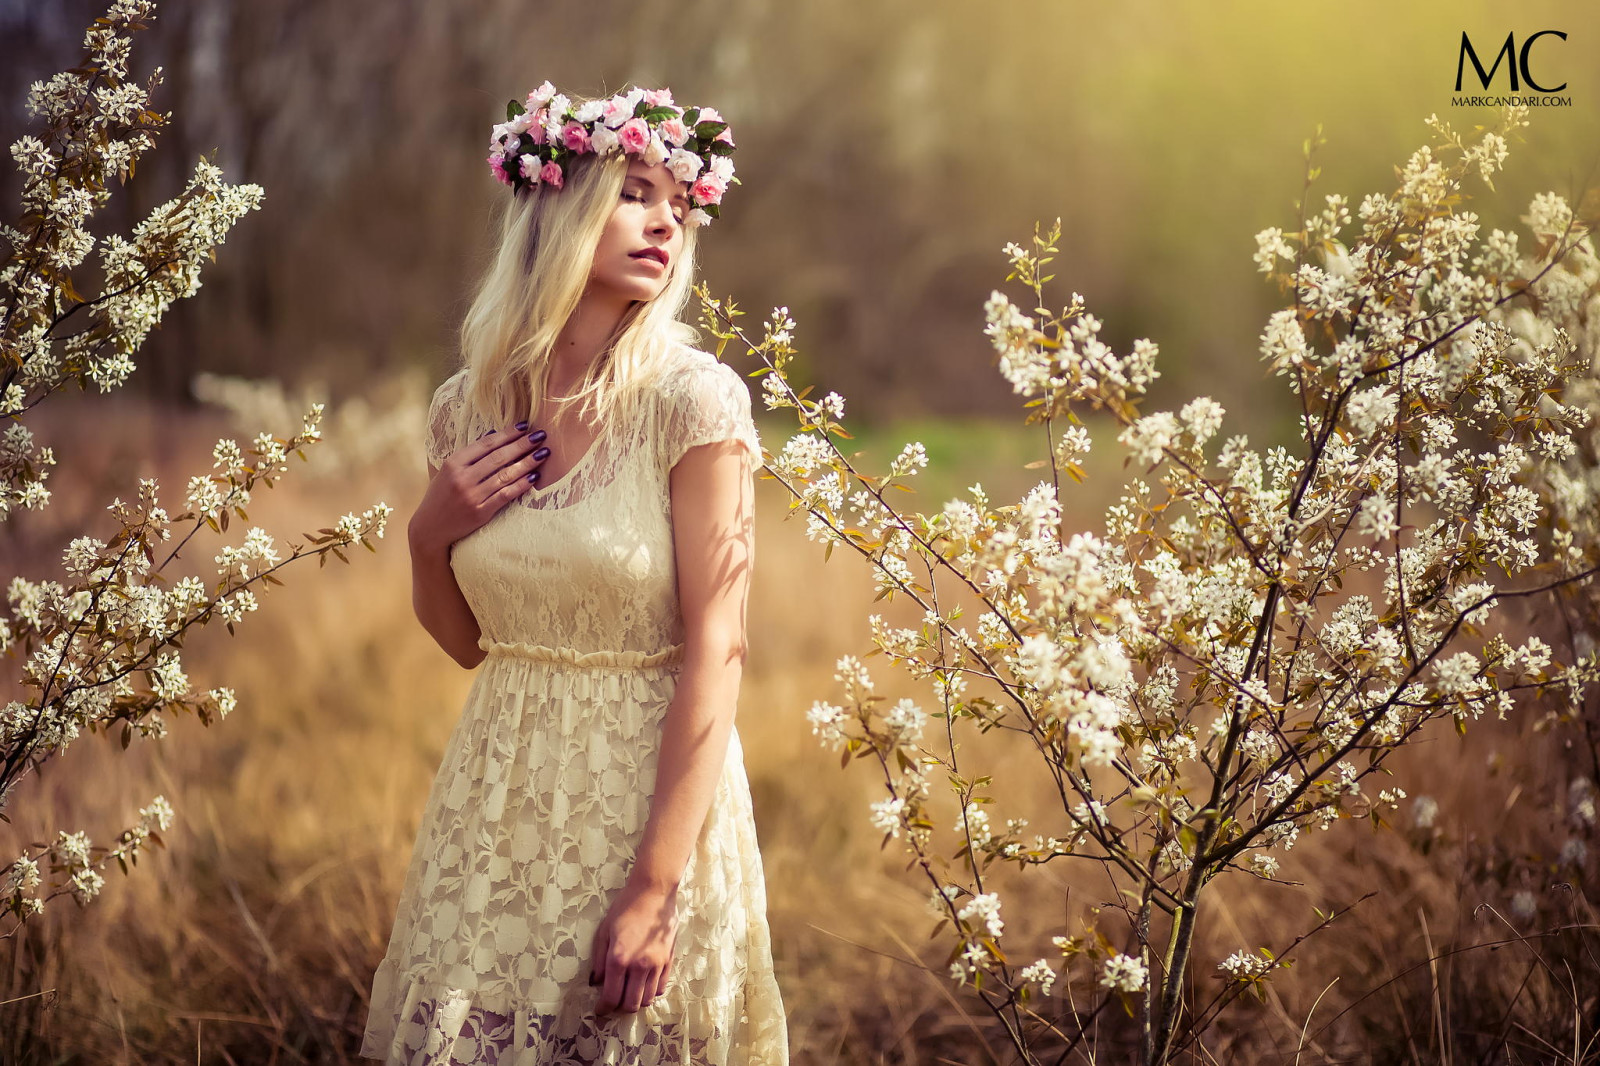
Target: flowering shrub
<point>1227,665</point>
<point>99,650</point>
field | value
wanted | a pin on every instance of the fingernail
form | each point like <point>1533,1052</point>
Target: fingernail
<point>485,433</point>
<point>531,479</point>
<point>521,426</point>
<point>536,436</point>
<point>542,453</point>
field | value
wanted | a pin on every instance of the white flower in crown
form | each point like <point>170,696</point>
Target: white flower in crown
<point>521,123</point>
<point>588,111</point>
<point>697,217</point>
<point>603,139</point>
<point>529,168</point>
<point>559,106</point>
<point>616,110</point>
<point>655,152</point>
<point>540,96</point>
<point>722,167</point>
<point>685,166</point>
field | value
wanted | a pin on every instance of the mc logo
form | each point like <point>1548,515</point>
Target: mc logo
<point>1515,61</point>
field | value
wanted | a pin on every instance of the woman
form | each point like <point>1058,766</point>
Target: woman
<point>585,886</point>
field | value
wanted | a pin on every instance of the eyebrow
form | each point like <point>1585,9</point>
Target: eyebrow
<point>680,195</point>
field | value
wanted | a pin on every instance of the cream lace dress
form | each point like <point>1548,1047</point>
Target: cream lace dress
<point>543,795</point>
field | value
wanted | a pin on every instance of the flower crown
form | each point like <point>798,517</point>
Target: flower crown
<point>533,144</point>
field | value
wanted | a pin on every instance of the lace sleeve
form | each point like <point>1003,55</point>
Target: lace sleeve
<point>710,404</point>
<point>443,415</point>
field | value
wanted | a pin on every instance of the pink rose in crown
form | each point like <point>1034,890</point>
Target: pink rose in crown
<point>708,189</point>
<point>575,137</point>
<point>673,131</point>
<point>634,135</point>
<point>708,114</point>
<point>617,111</point>
<point>495,159</point>
<point>726,137</point>
<point>551,175</point>
<point>658,97</point>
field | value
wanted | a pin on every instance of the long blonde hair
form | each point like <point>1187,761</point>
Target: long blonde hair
<point>538,274</point>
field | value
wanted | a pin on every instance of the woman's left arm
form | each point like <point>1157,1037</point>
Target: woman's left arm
<point>714,544</point>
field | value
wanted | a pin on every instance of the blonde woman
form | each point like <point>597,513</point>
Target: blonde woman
<point>585,885</point>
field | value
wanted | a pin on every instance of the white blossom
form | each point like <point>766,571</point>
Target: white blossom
<point>1123,973</point>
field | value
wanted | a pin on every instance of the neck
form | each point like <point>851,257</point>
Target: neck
<point>585,334</point>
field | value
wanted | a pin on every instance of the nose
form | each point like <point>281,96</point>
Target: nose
<point>661,218</point>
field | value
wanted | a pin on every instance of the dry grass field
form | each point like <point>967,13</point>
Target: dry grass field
<point>253,936</point>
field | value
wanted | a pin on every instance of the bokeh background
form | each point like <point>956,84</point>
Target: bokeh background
<point>887,151</point>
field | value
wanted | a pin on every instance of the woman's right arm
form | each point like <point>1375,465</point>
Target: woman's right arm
<point>475,483</point>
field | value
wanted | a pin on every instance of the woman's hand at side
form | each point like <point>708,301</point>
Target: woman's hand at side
<point>632,953</point>
<point>475,483</point>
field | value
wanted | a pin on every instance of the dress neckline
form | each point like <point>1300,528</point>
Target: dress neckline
<point>539,491</point>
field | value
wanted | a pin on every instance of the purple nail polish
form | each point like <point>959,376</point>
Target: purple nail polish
<point>521,426</point>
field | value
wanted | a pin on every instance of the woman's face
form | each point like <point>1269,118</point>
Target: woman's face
<point>640,245</point>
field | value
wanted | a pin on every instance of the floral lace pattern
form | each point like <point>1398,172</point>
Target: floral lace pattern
<point>544,791</point>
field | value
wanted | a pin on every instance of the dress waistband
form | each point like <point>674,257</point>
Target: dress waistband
<point>545,653</point>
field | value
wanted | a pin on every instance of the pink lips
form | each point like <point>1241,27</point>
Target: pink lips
<point>652,253</point>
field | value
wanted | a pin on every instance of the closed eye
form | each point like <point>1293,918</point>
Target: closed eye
<point>679,219</point>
